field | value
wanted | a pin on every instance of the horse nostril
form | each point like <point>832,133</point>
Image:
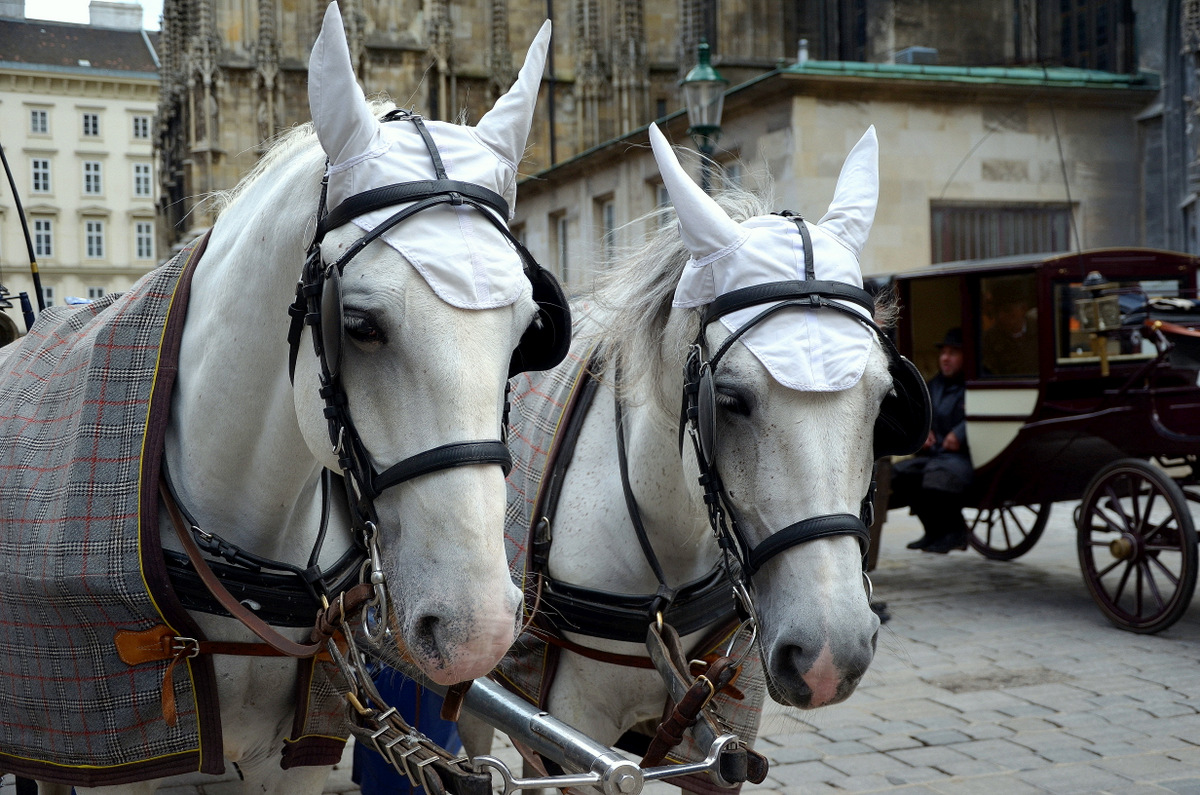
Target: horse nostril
<point>425,636</point>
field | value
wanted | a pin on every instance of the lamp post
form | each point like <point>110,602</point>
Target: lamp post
<point>704,93</point>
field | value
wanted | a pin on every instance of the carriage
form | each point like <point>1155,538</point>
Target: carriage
<point>1102,406</point>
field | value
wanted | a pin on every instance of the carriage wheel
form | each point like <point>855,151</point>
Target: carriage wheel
<point>1006,532</point>
<point>1137,546</point>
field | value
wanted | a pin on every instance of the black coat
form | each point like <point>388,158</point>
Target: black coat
<point>938,469</point>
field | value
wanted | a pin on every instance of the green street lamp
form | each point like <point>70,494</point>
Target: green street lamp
<point>704,94</point>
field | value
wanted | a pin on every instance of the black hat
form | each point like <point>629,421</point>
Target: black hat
<point>953,339</point>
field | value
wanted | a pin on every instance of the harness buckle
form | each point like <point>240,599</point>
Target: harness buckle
<point>185,647</point>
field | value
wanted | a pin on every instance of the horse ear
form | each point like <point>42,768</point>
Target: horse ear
<point>505,128</point>
<point>705,226</point>
<point>852,210</point>
<point>339,111</point>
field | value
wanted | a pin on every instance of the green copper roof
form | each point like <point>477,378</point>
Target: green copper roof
<point>1056,76</point>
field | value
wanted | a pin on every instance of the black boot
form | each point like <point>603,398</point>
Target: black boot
<point>955,540</point>
<point>923,541</point>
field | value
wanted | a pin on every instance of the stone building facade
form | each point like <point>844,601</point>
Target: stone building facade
<point>77,105</point>
<point>233,71</point>
<point>975,162</point>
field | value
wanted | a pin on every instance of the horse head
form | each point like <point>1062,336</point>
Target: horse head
<point>794,397</point>
<point>427,300</point>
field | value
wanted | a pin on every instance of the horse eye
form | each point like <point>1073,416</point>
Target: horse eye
<point>361,328</point>
<point>732,401</point>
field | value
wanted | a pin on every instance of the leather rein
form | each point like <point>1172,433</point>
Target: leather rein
<point>597,613</point>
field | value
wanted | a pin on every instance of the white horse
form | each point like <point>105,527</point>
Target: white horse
<point>421,367</point>
<point>783,453</point>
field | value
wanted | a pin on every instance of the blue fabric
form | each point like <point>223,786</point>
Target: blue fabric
<point>422,708</point>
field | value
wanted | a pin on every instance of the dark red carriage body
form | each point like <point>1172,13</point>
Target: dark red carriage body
<point>1042,428</point>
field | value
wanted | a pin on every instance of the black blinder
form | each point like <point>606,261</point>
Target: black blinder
<point>546,342</point>
<point>332,321</point>
<point>706,415</point>
<point>906,414</point>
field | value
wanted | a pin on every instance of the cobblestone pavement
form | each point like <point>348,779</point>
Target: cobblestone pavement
<point>1000,677</point>
<point>990,678</point>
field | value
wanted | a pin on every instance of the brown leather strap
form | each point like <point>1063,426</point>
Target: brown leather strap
<point>285,646</point>
<point>348,603</point>
<point>627,660</point>
<point>684,715</point>
<point>453,701</point>
<point>1171,328</point>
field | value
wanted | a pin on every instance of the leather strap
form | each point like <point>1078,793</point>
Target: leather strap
<point>285,646</point>
<point>627,660</point>
<point>455,454</point>
<point>824,526</point>
<point>670,732</point>
<point>400,193</point>
<point>786,291</point>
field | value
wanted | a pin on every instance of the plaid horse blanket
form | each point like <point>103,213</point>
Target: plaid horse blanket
<point>84,404</point>
<point>542,403</point>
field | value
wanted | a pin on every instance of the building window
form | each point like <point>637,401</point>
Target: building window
<point>141,128</point>
<point>984,231</point>
<point>733,174</point>
<point>605,222</point>
<point>559,231</point>
<point>141,179</point>
<point>143,238</point>
<point>518,231</point>
<point>39,122</point>
<point>48,295</point>
<point>94,239</point>
<point>95,292</point>
<point>91,125</point>
<point>91,178</point>
<point>40,168</point>
<point>662,205</point>
<point>43,237</point>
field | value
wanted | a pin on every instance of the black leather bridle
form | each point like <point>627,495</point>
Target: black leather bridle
<point>318,305</point>
<point>901,428</point>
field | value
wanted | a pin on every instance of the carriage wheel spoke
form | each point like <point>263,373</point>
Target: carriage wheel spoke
<point>1105,516</point>
<point>1004,527</point>
<point>1159,528</point>
<point>1153,585</point>
<point>1110,567</point>
<point>1145,518</point>
<point>1170,575</point>
<point>1114,502</point>
<point>1116,599</point>
<point>1137,590</point>
<point>1135,502</point>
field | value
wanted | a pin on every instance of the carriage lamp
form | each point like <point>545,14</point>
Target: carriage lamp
<point>704,94</point>
<point>1098,314</point>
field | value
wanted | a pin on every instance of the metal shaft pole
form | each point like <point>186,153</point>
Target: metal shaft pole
<point>550,737</point>
<point>33,268</point>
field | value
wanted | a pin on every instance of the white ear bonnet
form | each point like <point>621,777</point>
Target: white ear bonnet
<point>466,261</point>
<point>802,349</point>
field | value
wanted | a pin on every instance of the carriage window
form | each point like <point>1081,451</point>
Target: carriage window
<point>939,300</point>
<point>1008,329</point>
<point>1109,320</point>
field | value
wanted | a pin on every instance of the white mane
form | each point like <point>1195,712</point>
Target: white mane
<point>628,314</point>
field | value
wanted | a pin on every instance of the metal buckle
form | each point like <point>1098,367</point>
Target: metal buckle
<point>180,644</point>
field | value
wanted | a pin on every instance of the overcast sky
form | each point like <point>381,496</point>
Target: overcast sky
<point>77,11</point>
